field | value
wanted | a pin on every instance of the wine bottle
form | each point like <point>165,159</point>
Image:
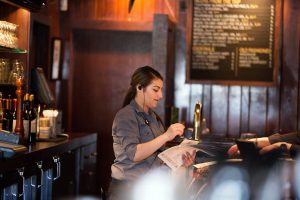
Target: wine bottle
<point>14,114</point>
<point>26,116</point>
<point>7,116</point>
<point>32,120</point>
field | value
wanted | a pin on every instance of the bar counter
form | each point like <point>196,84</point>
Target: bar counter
<point>40,150</point>
<point>49,168</point>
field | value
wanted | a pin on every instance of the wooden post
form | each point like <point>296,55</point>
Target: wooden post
<point>19,129</point>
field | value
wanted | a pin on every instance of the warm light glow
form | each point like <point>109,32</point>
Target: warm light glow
<point>230,183</point>
<point>157,184</point>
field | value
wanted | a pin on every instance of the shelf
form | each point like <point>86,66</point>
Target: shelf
<point>11,50</point>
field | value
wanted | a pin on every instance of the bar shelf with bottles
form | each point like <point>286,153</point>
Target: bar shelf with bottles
<point>30,112</point>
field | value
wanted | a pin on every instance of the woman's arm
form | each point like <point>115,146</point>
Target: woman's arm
<point>146,149</point>
<point>276,145</point>
<point>292,137</point>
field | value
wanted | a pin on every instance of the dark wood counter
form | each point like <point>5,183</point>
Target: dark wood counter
<point>41,150</point>
<point>77,156</point>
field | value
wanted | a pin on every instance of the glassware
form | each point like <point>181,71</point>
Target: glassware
<point>4,70</point>
<point>16,72</point>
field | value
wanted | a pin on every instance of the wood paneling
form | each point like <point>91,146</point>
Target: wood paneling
<point>103,64</point>
<point>163,60</point>
<point>290,67</point>
<point>258,111</point>
<point>117,10</point>
<point>234,108</point>
<point>231,110</point>
<point>219,104</point>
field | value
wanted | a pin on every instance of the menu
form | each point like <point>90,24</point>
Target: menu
<point>232,40</point>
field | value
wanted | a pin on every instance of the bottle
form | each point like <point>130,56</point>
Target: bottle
<point>26,116</point>
<point>38,116</point>
<point>7,115</point>
<point>32,121</point>
<point>14,114</point>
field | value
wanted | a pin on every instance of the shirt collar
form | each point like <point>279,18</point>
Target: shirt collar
<point>138,109</point>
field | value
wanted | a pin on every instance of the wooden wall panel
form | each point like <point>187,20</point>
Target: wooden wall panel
<point>162,57</point>
<point>79,9</point>
<point>114,10</point>
<point>273,103</point>
<point>219,109</point>
<point>206,103</point>
<point>234,108</point>
<point>290,67</point>
<point>117,10</point>
<point>103,63</point>
<point>258,110</point>
<point>181,101</point>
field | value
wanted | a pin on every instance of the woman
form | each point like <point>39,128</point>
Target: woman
<point>138,133</point>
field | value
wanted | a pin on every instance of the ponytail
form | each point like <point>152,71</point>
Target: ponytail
<point>131,92</point>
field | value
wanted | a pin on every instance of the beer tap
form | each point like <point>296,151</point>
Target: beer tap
<point>197,121</point>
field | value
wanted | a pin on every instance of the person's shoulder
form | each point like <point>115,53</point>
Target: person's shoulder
<point>126,111</point>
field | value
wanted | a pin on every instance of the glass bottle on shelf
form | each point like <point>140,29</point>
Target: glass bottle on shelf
<point>32,120</point>
<point>14,114</point>
<point>7,115</point>
<point>4,70</point>
<point>16,72</point>
<point>26,116</point>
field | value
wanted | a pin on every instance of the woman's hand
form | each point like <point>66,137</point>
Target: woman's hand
<point>188,159</point>
<point>174,130</point>
<point>277,145</point>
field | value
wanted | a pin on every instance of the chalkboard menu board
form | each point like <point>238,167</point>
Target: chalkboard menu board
<point>233,41</point>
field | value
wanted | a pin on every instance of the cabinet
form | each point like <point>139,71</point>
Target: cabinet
<point>88,170</point>
<point>21,18</point>
<point>50,170</point>
<point>80,180</point>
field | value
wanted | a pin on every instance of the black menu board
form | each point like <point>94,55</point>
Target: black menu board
<point>233,41</point>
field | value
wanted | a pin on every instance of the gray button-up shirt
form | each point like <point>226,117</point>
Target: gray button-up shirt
<point>131,127</point>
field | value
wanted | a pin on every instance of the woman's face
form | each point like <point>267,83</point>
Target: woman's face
<point>150,95</point>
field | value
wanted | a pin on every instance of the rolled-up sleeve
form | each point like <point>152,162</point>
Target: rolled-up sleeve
<point>293,138</point>
<point>126,134</point>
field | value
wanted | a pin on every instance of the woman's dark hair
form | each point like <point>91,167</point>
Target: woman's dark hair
<point>142,76</point>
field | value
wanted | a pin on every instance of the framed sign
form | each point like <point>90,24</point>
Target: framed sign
<point>233,41</point>
<point>56,58</point>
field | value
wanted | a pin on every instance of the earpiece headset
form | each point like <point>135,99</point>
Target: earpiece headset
<point>139,87</point>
